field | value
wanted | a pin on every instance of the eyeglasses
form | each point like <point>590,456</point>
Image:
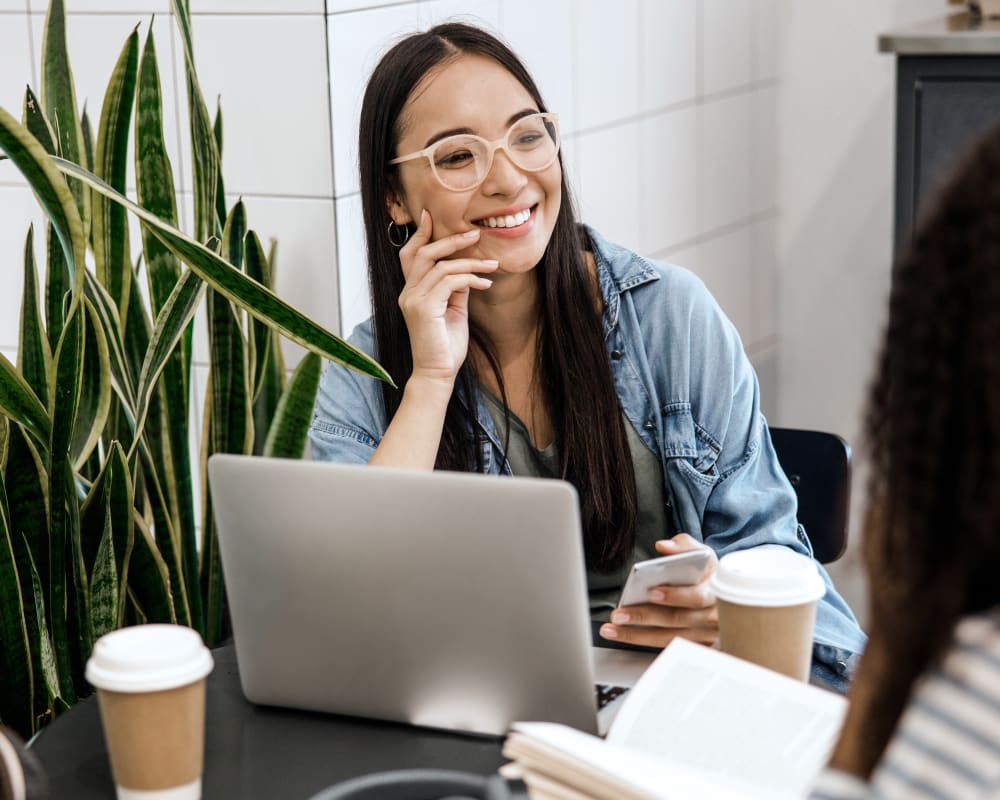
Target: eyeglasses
<point>463,161</point>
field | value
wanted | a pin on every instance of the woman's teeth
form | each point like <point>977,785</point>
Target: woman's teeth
<point>509,221</point>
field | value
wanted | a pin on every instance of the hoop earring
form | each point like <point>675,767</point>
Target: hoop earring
<point>393,231</point>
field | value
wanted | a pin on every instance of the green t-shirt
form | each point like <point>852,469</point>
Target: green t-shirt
<point>655,520</point>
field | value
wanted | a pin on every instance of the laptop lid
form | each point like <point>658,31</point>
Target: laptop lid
<point>441,599</point>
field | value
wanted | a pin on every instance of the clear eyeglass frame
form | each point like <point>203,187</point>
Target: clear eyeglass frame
<point>550,123</point>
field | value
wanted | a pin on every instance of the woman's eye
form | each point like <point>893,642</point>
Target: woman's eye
<point>455,159</point>
<point>528,139</point>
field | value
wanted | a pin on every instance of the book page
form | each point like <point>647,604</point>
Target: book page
<point>557,754</point>
<point>744,725</point>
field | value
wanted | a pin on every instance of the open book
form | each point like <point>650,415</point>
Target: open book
<point>699,723</point>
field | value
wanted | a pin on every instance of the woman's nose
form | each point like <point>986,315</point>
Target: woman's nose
<point>504,176</point>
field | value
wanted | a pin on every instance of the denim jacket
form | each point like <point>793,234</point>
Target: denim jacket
<point>686,385</point>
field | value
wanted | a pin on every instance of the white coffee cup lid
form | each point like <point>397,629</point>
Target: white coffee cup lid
<point>148,658</point>
<point>769,575</point>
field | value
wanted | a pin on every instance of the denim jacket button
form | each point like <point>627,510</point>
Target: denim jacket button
<point>649,425</point>
<point>616,354</point>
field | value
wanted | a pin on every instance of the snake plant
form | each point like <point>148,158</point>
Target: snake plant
<point>98,525</point>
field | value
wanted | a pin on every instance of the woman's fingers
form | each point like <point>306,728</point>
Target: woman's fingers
<point>657,637</point>
<point>419,255</point>
<point>649,614</point>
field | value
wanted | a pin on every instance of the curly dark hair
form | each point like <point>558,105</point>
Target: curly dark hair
<point>932,528</point>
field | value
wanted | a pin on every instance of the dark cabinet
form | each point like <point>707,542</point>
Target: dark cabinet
<point>947,92</point>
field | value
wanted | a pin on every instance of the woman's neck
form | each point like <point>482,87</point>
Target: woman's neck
<point>508,314</point>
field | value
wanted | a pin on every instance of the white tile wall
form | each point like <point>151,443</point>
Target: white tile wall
<point>727,27</point>
<point>723,187</point>
<point>763,329</point>
<point>542,36</point>
<point>275,101</point>
<point>357,41</point>
<point>668,48</point>
<point>725,264</point>
<point>106,6</point>
<point>763,158</point>
<point>607,61</point>
<point>608,176</point>
<point>483,13</point>
<point>667,203</point>
<point>764,51</point>
<point>355,301</point>
<point>16,70</point>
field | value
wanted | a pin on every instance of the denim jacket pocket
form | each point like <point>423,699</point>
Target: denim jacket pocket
<point>693,449</point>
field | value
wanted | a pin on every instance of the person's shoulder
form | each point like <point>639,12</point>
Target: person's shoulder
<point>629,270</point>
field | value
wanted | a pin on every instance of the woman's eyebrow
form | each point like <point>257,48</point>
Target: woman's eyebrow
<point>437,137</point>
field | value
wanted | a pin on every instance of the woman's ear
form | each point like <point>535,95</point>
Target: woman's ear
<point>397,211</point>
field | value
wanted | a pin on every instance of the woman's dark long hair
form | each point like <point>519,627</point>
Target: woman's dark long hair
<point>589,430</point>
<point>932,535</point>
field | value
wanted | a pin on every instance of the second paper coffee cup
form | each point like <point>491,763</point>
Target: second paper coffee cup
<point>767,607</point>
<point>150,682</point>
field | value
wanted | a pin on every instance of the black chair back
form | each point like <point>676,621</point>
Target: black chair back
<point>818,465</point>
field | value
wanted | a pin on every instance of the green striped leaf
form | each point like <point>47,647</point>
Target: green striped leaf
<point>149,578</point>
<point>27,501</point>
<point>43,653</point>
<point>59,101</point>
<point>231,282</point>
<point>63,601</point>
<point>88,141</point>
<point>204,151</point>
<point>111,238</point>
<point>178,311</point>
<point>95,388</point>
<point>260,335</point>
<point>21,404</point>
<point>17,683</point>
<point>290,427</point>
<point>104,583</point>
<point>34,119</point>
<point>51,190</point>
<point>34,357</point>
<point>154,177</point>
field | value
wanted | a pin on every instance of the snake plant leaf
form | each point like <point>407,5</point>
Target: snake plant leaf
<point>17,683</point>
<point>43,654</point>
<point>4,440</point>
<point>167,542</point>
<point>51,190</point>
<point>178,311</point>
<point>231,282</point>
<point>289,430</point>
<point>94,510</point>
<point>34,356</point>
<point>210,573</point>
<point>59,102</point>
<point>95,388</point>
<point>205,154</point>
<point>88,143</point>
<point>26,477</point>
<point>21,404</point>
<point>154,177</point>
<point>110,221</point>
<point>220,188</point>
<point>148,577</point>
<point>104,584</point>
<point>122,380</point>
<point>63,600</point>
<point>259,334</point>
<point>34,119</point>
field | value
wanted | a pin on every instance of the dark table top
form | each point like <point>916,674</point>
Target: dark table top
<point>259,752</point>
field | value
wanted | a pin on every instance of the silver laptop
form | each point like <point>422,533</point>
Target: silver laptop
<point>439,599</point>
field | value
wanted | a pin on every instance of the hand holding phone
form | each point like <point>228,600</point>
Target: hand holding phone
<point>680,569</point>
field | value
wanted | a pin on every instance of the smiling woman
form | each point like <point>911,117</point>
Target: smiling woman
<point>525,343</point>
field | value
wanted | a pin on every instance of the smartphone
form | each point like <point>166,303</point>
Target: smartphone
<point>680,569</point>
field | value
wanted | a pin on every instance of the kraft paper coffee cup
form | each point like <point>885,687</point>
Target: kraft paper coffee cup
<point>767,607</point>
<point>150,682</point>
